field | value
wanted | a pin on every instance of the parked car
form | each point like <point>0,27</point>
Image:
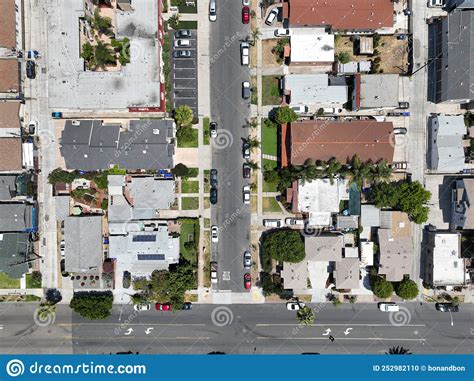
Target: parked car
<point>436,3</point>
<point>244,53</point>
<point>294,221</point>
<point>282,32</point>
<point>300,109</point>
<point>213,272</point>
<point>182,33</point>
<point>400,131</point>
<point>273,223</point>
<point>57,114</point>
<point>30,69</point>
<point>389,307</point>
<point>163,307</point>
<point>400,165</point>
<point>212,10</point>
<point>213,195</point>
<point>295,306</point>
<point>246,150</point>
<point>245,15</point>
<point>246,2</point>
<point>182,43</point>
<point>142,307</point>
<point>187,306</point>
<point>403,105</point>
<point>214,233</point>
<point>246,89</point>
<point>246,170</point>
<point>331,110</point>
<point>213,178</point>
<point>182,54</point>
<point>272,16</point>
<point>62,248</point>
<point>247,260</point>
<point>32,127</point>
<point>32,54</point>
<point>247,281</point>
<point>246,194</point>
<point>213,129</point>
<point>446,307</point>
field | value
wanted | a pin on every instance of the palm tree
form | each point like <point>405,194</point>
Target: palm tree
<point>398,351</point>
<point>253,142</point>
<point>333,167</point>
<point>253,187</point>
<point>359,171</point>
<point>252,164</point>
<point>256,34</point>
<point>381,171</point>
<point>103,25</point>
<point>305,316</point>
<point>104,55</point>
<point>252,123</point>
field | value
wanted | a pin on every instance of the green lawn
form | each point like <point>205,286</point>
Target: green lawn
<point>269,140</point>
<point>192,143</point>
<point>7,282</point>
<point>193,172</point>
<point>189,233</point>
<point>190,186</point>
<point>207,184</point>
<point>188,25</point>
<point>269,164</point>
<point>190,203</point>
<point>270,91</point>
<point>205,131</point>
<point>183,8</point>
<point>270,205</point>
<point>30,283</point>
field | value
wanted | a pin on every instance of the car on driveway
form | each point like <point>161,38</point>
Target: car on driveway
<point>295,306</point>
<point>213,178</point>
<point>30,69</point>
<point>389,307</point>
<point>62,248</point>
<point>182,54</point>
<point>245,15</point>
<point>213,272</point>
<point>182,43</point>
<point>182,33</point>
<point>244,53</point>
<point>246,150</point>
<point>272,16</point>
<point>213,195</point>
<point>282,32</point>
<point>247,260</point>
<point>214,233</point>
<point>247,281</point>
<point>446,307</point>
<point>300,109</point>
<point>213,129</point>
<point>436,3</point>
<point>142,307</point>
<point>246,194</point>
<point>246,89</point>
<point>246,170</point>
<point>294,222</point>
<point>163,307</point>
<point>273,223</point>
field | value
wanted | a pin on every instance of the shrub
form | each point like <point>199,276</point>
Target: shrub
<point>92,305</point>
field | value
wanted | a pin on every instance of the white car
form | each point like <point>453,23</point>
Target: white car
<point>400,131</point>
<point>214,233</point>
<point>245,3</point>
<point>142,307</point>
<point>244,53</point>
<point>294,306</point>
<point>436,3</point>
<point>272,16</point>
<point>273,223</point>
<point>331,110</point>
<point>182,43</point>
<point>212,10</point>
<point>282,33</point>
<point>213,272</point>
<point>294,222</point>
<point>247,260</point>
<point>300,109</point>
<point>246,194</point>
<point>62,247</point>
<point>389,307</point>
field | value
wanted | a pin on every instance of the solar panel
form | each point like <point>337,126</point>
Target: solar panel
<point>144,238</point>
<point>151,257</point>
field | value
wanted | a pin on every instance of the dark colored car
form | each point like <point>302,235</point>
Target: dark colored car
<point>446,307</point>
<point>57,115</point>
<point>182,54</point>
<point>213,178</point>
<point>246,150</point>
<point>246,90</point>
<point>213,129</point>
<point>247,281</point>
<point>30,69</point>
<point>245,15</point>
<point>213,195</point>
<point>187,306</point>
<point>182,33</point>
<point>246,170</point>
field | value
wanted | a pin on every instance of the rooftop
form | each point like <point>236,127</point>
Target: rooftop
<point>324,247</point>
<point>378,90</point>
<point>7,187</point>
<point>311,45</point>
<point>16,217</point>
<point>347,273</point>
<point>8,24</point>
<point>9,76</point>
<point>9,117</point>
<point>295,275</point>
<point>448,266</point>
<point>10,154</point>
<point>309,89</point>
<point>15,250</point>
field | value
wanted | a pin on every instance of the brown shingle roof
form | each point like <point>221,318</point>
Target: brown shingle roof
<point>9,117</point>
<point>8,24</point>
<point>9,76</point>
<point>323,140</point>
<point>10,154</point>
<point>342,14</point>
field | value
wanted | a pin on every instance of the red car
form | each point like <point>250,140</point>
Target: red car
<point>247,281</point>
<point>245,15</point>
<point>163,306</point>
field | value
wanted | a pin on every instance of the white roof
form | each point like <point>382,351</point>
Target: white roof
<point>311,89</point>
<point>448,266</point>
<point>311,45</point>
<point>367,253</point>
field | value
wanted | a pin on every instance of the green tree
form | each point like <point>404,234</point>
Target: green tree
<point>104,55</point>
<point>285,114</point>
<point>343,57</point>
<point>284,245</point>
<point>271,176</point>
<point>333,167</point>
<point>398,351</point>
<point>256,34</point>
<point>253,142</point>
<point>359,171</point>
<point>268,123</point>
<point>407,289</point>
<point>382,288</point>
<point>183,115</point>
<point>184,135</point>
<point>180,170</point>
<point>381,171</point>
<point>102,25</point>
<point>173,21</point>
<point>59,175</point>
<point>87,52</point>
<point>92,305</point>
<point>305,316</point>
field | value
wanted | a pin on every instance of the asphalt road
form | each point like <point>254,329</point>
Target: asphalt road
<point>230,111</point>
<point>241,329</point>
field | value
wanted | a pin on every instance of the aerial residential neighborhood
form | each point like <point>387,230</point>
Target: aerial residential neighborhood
<point>236,176</point>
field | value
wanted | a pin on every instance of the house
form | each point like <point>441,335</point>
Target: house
<point>459,4</point>
<point>375,91</point>
<point>395,245</point>
<point>445,143</point>
<point>9,75</point>
<point>444,266</point>
<point>8,22</point>
<point>311,46</point>
<point>347,222</point>
<point>94,145</point>
<point>347,273</point>
<point>15,187</point>
<point>16,251</point>
<point>10,154</point>
<point>316,90</point>
<point>9,118</point>
<point>451,51</point>
<point>353,67</point>
<point>323,140</point>
<point>17,217</point>
<point>369,219</point>
<point>354,15</point>
<point>462,217</point>
<point>83,244</point>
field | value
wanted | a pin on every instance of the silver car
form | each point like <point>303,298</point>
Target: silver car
<point>247,260</point>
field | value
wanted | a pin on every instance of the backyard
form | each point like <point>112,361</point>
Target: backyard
<point>270,90</point>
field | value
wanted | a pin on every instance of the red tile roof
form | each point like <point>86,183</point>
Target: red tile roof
<point>323,140</point>
<point>341,14</point>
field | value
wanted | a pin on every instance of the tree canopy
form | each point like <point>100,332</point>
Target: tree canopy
<point>284,115</point>
<point>183,115</point>
<point>92,305</point>
<point>407,289</point>
<point>305,316</point>
<point>284,245</point>
<point>180,170</point>
<point>382,288</point>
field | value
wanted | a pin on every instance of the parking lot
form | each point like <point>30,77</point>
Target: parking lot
<point>184,75</point>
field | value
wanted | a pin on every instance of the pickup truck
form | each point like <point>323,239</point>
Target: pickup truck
<point>213,272</point>
<point>244,53</point>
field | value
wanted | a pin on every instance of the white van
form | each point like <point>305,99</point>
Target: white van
<point>244,53</point>
<point>388,307</point>
<point>212,10</point>
<point>273,223</point>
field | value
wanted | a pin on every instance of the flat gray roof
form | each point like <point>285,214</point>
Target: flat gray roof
<point>308,89</point>
<point>379,90</point>
<point>324,247</point>
<point>15,250</point>
<point>7,187</point>
<point>15,217</point>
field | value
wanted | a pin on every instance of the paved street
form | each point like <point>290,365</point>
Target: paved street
<point>230,111</point>
<point>266,329</point>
